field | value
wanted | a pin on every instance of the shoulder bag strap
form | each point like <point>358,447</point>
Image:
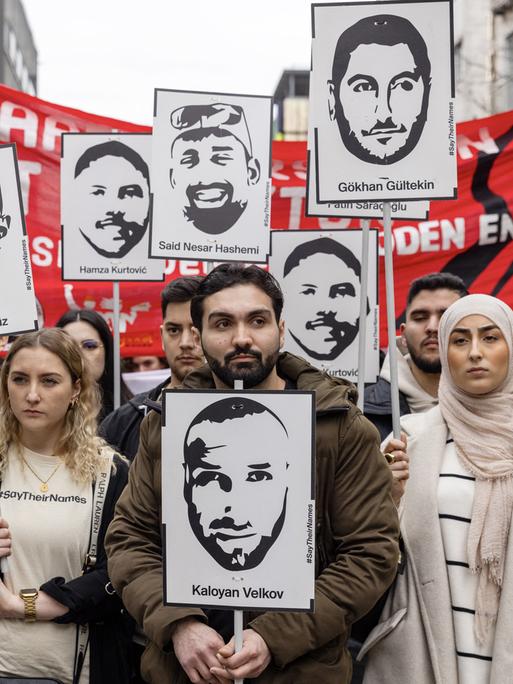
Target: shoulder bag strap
<point>99,493</point>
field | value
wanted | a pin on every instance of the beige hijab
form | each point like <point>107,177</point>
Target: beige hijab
<point>482,429</point>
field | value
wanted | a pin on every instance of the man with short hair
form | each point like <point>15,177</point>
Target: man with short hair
<point>237,313</point>
<point>380,86</point>
<point>121,427</point>
<point>112,196</point>
<point>324,276</point>
<point>419,368</point>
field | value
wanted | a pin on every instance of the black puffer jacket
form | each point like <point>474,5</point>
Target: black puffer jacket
<point>378,406</point>
<point>121,427</point>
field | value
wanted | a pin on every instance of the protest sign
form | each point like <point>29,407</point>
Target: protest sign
<point>382,122</point>
<point>320,275</point>
<point>105,207</point>
<point>211,167</point>
<point>238,499</point>
<point>18,311</point>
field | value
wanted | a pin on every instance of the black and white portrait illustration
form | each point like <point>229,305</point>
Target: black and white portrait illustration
<point>18,302</point>
<point>379,88</point>
<point>212,165</point>
<point>226,479</point>
<point>211,176</point>
<point>320,275</point>
<point>237,451</point>
<point>105,207</point>
<point>383,90</point>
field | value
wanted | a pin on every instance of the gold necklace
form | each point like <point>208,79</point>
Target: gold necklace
<point>43,487</point>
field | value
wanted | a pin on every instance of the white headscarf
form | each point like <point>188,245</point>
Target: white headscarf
<point>482,429</point>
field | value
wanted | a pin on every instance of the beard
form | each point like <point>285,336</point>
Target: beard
<point>356,148</point>
<point>213,220</point>
<point>343,334</point>
<point>129,235</point>
<point>432,366</point>
<point>238,559</point>
<point>252,373</point>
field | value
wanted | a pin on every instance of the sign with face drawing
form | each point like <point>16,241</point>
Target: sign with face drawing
<point>105,207</point>
<point>238,503</point>
<point>382,121</point>
<point>211,166</point>
<point>18,312</point>
<point>320,275</point>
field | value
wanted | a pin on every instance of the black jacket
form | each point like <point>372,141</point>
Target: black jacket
<point>121,427</point>
<point>88,600</point>
<point>378,406</point>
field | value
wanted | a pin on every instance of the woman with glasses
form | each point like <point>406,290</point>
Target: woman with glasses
<point>93,334</point>
<point>59,482</point>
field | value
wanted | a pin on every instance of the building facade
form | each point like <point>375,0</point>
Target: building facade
<point>18,57</point>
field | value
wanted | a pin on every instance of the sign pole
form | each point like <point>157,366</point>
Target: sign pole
<point>362,325</point>
<point>238,622</point>
<point>117,344</point>
<point>391,328</point>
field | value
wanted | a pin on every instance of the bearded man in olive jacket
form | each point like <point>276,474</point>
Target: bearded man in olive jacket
<point>237,312</point>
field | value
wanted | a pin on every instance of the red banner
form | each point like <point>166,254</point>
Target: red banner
<point>471,236</point>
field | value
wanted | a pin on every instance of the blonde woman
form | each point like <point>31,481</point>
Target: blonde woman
<point>59,482</point>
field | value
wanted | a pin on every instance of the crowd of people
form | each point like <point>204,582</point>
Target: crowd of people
<point>412,557</point>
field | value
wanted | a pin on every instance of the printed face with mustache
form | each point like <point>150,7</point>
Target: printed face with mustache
<point>242,464</point>
<point>214,175</point>
<point>381,103</point>
<point>112,205</point>
<point>324,318</point>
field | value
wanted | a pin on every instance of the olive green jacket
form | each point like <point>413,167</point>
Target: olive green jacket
<point>356,542</point>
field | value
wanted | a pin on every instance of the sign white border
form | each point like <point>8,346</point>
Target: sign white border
<point>172,235</point>
<point>80,262</point>
<point>429,171</point>
<point>285,578</point>
<point>345,365</point>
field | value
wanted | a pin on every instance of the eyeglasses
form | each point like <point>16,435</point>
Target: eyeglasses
<point>90,345</point>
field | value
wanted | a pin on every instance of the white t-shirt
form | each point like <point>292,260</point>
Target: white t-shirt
<point>50,538</point>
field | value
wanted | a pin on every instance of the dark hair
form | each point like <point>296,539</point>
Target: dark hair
<point>323,246</point>
<point>112,148</point>
<point>382,29</point>
<point>178,291</point>
<point>218,412</point>
<point>106,382</point>
<point>436,281</point>
<point>229,275</point>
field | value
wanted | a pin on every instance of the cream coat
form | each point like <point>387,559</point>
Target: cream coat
<point>414,641</point>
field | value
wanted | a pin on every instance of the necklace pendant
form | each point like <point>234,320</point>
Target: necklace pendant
<point>44,487</point>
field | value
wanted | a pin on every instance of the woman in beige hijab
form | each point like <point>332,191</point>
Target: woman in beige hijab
<point>449,616</point>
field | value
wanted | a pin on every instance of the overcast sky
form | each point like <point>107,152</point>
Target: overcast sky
<point>107,56</point>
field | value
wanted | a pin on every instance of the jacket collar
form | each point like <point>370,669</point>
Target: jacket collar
<point>331,394</point>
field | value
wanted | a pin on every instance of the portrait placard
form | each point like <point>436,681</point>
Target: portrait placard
<point>105,207</point>
<point>211,176</point>
<point>238,505</point>
<point>382,123</point>
<point>18,312</point>
<point>319,272</point>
